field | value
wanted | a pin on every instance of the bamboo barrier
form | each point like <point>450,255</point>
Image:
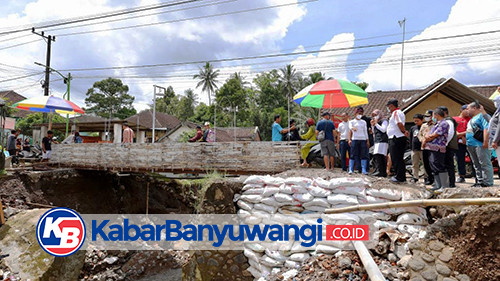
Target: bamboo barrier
<point>413,203</point>
<point>370,266</point>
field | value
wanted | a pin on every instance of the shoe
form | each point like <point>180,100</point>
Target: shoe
<point>364,166</point>
<point>414,180</point>
<point>395,180</point>
<point>427,181</point>
<point>485,185</point>
<point>460,180</point>
<point>477,184</point>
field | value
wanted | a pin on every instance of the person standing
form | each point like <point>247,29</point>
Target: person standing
<point>359,143</point>
<point>451,146</point>
<point>477,144</point>
<point>277,130</point>
<point>494,129</point>
<point>77,138</point>
<point>397,140</point>
<point>328,142</point>
<point>381,143</point>
<point>461,121</point>
<point>128,133</point>
<point>47,146</point>
<point>11,145</point>
<point>435,142</point>
<point>310,137</point>
<point>426,128</point>
<point>209,134</point>
<point>416,146</point>
<point>343,140</point>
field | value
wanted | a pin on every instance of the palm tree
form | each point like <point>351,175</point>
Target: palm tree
<point>208,80</point>
<point>288,79</point>
<point>240,78</point>
<point>316,77</point>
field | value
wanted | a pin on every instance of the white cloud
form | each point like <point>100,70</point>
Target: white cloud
<point>325,60</point>
<point>205,39</point>
<point>417,73</point>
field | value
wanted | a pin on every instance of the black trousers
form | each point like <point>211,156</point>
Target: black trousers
<point>437,161</point>
<point>449,161</point>
<point>397,148</point>
<point>379,165</point>
<point>426,154</point>
<point>460,155</point>
<point>12,153</point>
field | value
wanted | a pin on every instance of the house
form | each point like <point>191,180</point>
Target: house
<point>11,97</point>
<point>142,123</point>
<point>444,92</point>
<point>223,134</point>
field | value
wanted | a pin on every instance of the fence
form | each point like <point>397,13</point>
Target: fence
<point>231,157</point>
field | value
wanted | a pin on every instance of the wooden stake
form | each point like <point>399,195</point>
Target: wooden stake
<point>2,217</point>
<point>147,198</point>
<point>413,203</point>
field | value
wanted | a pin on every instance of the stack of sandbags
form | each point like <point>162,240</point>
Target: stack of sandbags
<point>297,201</point>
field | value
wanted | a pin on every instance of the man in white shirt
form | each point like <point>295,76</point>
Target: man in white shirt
<point>397,140</point>
<point>343,140</point>
<point>359,142</point>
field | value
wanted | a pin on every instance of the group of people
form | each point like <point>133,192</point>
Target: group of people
<point>207,135</point>
<point>15,144</point>
<point>436,141</point>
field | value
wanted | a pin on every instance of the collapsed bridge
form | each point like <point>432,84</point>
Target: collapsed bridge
<point>226,157</point>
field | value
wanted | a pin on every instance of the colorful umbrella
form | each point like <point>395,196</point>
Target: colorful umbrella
<point>495,94</point>
<point>49,104</point>
<point>331,94</point>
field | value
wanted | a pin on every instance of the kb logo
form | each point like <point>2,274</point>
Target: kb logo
<point>60,232</point>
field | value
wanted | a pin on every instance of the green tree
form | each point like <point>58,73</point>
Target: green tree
<point>362,85</point>
<point>26,123</point>
<point>316,77</point>
<point>109,98</point>
<point>208,80</point>
<point>169,103</point>
<point>233,95</point>
<point>269,94</point>
<point>187,105</point>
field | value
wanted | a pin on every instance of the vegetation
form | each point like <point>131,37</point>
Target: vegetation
<point>109,98</point>
<point>26,124</point>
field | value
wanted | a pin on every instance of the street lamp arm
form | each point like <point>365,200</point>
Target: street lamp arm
<point>37,63</point>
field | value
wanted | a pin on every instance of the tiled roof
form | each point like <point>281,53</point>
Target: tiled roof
<point>13,97</point>
<point>145,117</point>
<point>242,133</point>
<point>485,91</point>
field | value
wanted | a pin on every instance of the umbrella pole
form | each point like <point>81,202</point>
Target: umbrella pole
<point>50,121</point>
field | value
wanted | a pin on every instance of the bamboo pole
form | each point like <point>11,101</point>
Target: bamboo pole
<point>413,203</point>
<point>368,262</point>
<point>40,205</point>
<point>2,216</point>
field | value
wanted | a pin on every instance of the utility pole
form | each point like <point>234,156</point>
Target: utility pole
<point>155,94</point>
<point>402,23</point>
<point>49,41</point>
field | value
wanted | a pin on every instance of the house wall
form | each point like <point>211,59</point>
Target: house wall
<point>435,100</point>
<point>176,135</point>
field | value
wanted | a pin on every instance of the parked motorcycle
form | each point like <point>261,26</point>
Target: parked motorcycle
<point>314,156</point>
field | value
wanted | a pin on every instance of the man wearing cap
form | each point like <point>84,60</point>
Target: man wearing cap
<point>426,128</point>
<point>328,143</point>
<point>397,140</point>
<point>208,135</point>
<point>128,134</point>
<point>462,121</point>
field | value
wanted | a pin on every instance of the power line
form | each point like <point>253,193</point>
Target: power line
<point>101,16</point>
<point>20,44</point>
<point>185,19</point>
<point>20,77</point>
<point>285,54</point>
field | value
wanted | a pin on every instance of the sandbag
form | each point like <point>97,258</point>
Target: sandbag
<point>304,182</point>
<point>299,257</point>
<point>337,199</point>
<point>255,247</point>
<point>292,264</point>
<point>255,272</point>
<point>384,224</point>
<point>321,183</point>
<point>251,191</point>
<point>270,190</point>
<point>273,181</point>
<point>252,198</point>
<point>276,255</point>
<point>315,208</point>
<point>283,198</point>
<point>271,201</point>
<point>317,191</point>
<point>320,202</point>
<point>265,208</point>
<point>298,189</point>
<point>244,205</point>
<point>243,214</point>
<point>285,188</point>
<point>303,197</point>
<point>410,228</point>
<point>348,182</point>
<point>268,261</point>
<point>386,193</point>
<point>251,255</point>
<point>334,218</point>
<point>325,249</point>
<point>351,190</point>
<point>411,219</point>
<point>255,180</point>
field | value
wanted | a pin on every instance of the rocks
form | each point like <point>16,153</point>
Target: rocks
<point>428,258</point>
<point>446,254</point>
<point>443,269</point>
<point>416,264</point>
<point>436,245</point>
<point>392,257</point>
<point>403,262</point>
<point>463,277</point>
<point>110,260</point>
<point>344,262</point>
<point>429,275</point>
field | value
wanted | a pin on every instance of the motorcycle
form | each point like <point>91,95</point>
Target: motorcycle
<point>314,156</point>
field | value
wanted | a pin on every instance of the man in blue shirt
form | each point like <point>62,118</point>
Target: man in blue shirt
<point>328,144</point>
<point>278,130</point>
<point>477,145</point>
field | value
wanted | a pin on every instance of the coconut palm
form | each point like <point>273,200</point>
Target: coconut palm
<point>288,79</point>
<point>208,80</point>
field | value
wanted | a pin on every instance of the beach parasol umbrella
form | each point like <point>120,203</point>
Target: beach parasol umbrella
<point>49,104</point>
<point>331,94</point>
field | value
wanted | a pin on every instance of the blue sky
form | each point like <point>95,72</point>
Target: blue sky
<point>326,24</point>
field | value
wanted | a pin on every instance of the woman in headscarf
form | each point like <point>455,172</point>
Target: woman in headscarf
<point>494,128</point>
<point>379,129</point>
<point>310,135</point>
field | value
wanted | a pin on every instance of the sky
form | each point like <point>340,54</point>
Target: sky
<point>345,32</point>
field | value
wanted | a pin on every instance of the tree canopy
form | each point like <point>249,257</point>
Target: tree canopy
<point>109,98</point>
